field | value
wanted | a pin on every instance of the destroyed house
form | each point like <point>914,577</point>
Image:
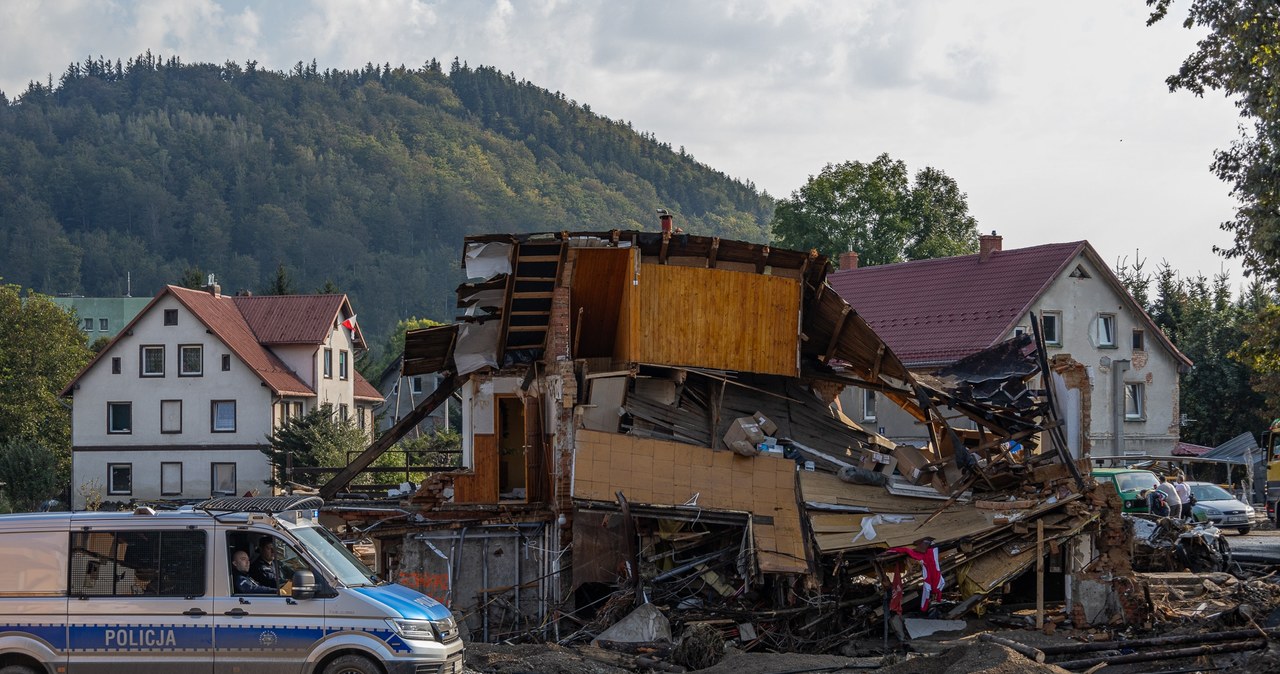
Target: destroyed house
<point>653,413</point>
<point>1116,371</point>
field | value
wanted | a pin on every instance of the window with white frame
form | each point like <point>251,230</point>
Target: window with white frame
<point>170,478</point>
<point>119,479</point>
<point>417,385</point>
<point>297,410</point>
<point>102,325</point>
<point>222,479</point>
<point>328,363</point>
<point>1134,401</point>
<point>120,417</point>
<point>151,363</point>
<point>1051,327</point>
<point>343,414</point>
<point>190,360</point>
<point>1106,330</point>
<point>170,416</point>
<point>342,365</point>
<point>868,405</point>
<point>88,325</point>
<point>223,416</point>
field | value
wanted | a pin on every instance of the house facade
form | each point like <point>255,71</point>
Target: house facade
<point>1115,372</point>
<point>180,404</point>
<point>100,317</point>
<point>401,393</point>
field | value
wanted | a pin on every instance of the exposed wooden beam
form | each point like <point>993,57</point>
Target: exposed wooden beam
<point>835,334</point>
<point>875,369</point>
<point>763,261</point>
<point>715,253</point>
<point>393,435</point>
<point>662,253</point>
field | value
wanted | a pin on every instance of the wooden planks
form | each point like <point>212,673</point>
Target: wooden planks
<point>670,473</point>
<point>600,276</point>
<point>482,485</point>
<point>716,319</point>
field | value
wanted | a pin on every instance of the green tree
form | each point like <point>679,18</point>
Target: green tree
<point>316,439</point>
<point>875,210</point>
<point>30,473</point>
<point>42,350</point>
<point>1239,57</point>
<point>192,278</point>
<point>282,284</point>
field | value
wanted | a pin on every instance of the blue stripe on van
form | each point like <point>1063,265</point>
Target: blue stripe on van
<point>53,635</point>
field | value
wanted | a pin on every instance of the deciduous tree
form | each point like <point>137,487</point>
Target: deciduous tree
<point>876,210</point>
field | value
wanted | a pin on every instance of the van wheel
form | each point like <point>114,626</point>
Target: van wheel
<point>17,669</point>
<point>346,664</point>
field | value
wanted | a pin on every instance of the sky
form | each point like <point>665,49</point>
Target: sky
<point>1053,117</point>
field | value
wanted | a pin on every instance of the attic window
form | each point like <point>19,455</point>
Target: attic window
<point>1079,272</point>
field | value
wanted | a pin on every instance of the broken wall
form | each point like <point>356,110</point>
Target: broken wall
<point>671,473</point>
<point>493,577</point>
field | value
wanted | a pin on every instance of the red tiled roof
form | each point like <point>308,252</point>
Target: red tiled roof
<point>364,390</point>
<point>937,311</point>
<point>293,319</point>
<point>221,315</point>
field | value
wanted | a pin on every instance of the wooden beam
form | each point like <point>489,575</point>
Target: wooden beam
<point>715,252</point>
<point>835,334</point>
<point>662,253</point>
<point>392,435</point>
<point>764,260</point>
<point>875,369</point>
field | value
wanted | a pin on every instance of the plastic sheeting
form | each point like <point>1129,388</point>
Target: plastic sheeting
<point>477,346</point>
<point>486,260</point>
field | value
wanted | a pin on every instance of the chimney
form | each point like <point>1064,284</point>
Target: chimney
<point>211,286</point>
<point>988,244</point>
<point>848,260</point>
<point>666,218</point>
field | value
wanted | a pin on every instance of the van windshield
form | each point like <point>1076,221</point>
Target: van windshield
<point>1136,481</point>
<point>335,556</point>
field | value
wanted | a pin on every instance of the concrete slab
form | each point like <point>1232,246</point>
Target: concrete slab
<point>923,627</point>
<point>646,623</point>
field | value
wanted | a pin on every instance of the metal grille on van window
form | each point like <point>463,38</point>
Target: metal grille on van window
<point>137,562</point>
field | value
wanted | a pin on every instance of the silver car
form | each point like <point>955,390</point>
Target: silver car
<point>1217,505</point>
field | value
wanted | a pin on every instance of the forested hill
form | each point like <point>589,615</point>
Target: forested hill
<point>367,179</point>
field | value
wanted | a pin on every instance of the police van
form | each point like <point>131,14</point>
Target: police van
<point>164,592</point>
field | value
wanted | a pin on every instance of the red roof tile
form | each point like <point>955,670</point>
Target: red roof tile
<point>293,319</point>
<point>937,311</point>
<point>366,391</point>
<point>1188,449</point>
<point>220,314</point>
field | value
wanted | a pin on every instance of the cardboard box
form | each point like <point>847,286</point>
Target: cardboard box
<point>913,465</point>
<point>744,429</point>
<point>764,423</point>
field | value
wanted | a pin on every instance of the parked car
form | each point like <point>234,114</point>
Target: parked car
<point>1131,483</point>
<point>1217,505</point>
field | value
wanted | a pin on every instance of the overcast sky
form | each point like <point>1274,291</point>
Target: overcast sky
<point>1053,117</point>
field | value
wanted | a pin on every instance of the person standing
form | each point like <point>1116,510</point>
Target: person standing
<point>1171,497</point>
<point>1184,496</point>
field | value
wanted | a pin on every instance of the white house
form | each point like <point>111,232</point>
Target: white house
<point>1116,372</point>
<point>181,403</point>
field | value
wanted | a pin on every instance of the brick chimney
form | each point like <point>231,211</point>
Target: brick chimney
<point>211,286</point>
<point>848,260</point>
<point>988,244</point>
<point>666,219</point>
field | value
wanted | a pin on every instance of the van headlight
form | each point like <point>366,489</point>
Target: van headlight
<point>420,630</point>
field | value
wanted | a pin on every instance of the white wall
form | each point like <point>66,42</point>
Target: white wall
<point>196,445</point>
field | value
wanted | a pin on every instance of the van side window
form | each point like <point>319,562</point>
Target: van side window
<point>138,563</point>
<point>271,562</point>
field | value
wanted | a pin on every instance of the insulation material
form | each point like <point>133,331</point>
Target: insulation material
<point>486,260</point>
<point>477,346</point>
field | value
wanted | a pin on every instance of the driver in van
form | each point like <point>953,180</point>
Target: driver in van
<point>244,582</point>
<point>265,569</point>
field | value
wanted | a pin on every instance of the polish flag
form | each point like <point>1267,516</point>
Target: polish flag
<point>350,324</point>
